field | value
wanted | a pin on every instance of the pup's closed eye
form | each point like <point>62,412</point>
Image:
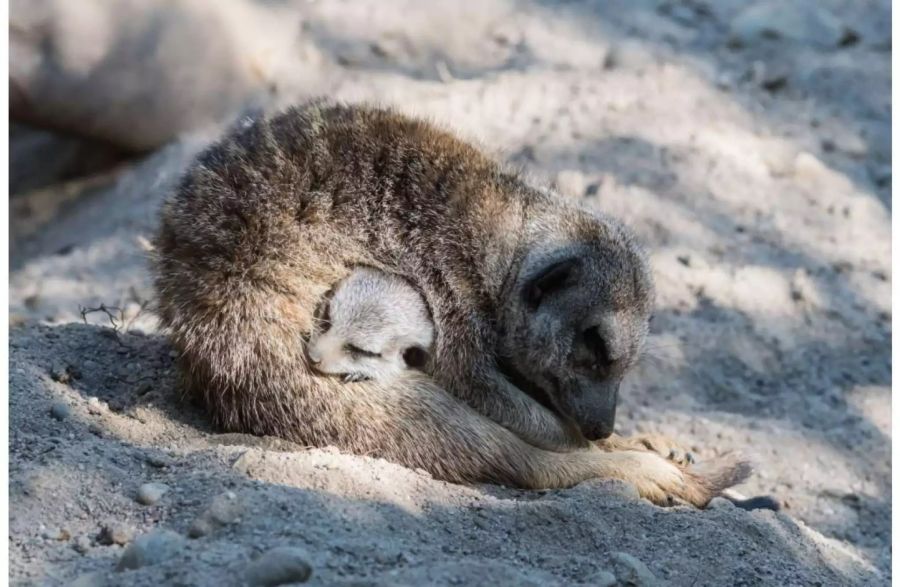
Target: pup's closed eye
<point>356,351</point>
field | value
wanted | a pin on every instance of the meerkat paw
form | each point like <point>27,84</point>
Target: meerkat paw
<point>665,483</point>
<point>655,478</point>
<point>353,377</point>
<point>656,443</point>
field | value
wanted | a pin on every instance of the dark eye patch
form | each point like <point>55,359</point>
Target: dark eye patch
<point>549,280</point>
<point>358,352</point>
<point>415,357</point>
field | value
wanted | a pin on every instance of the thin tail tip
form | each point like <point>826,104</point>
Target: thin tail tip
<point>726,470</point>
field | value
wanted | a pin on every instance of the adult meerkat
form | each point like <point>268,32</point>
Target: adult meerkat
<point>540,307</point>
<point>373,326</point>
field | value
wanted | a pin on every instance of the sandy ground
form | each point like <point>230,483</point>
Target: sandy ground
<point>757,170</point>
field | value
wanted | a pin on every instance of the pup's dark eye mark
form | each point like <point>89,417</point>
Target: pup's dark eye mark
<point>415,357</point>
<point>358,352</point>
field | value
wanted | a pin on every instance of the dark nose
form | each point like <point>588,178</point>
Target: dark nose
<point>601,421</point>
<point>600,430</point>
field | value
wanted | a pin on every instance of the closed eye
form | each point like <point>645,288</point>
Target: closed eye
<point>356,351</point>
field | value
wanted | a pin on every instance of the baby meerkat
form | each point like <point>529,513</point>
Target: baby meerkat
<point>375,326</point>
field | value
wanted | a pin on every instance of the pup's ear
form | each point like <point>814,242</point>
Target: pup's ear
<point>415,357</point>
<point>552,278</point>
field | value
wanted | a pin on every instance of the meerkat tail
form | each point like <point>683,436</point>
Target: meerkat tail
<point>714,476</point>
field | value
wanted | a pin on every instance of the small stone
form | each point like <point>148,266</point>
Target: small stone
<point>847,142</point>
<point>60,411</point>
<point>794,21</point>
<point>151,493</point>
<point>602,579</point>
<point>200,527</point>
<point>224,510</point>
<point>159,461</point>
<point>150,549</point>
<point>720,503</point>
<point>115,533</point>
<point>60,373</point>
<point>55,534</point>
<point>279,566</point>
<point>82,544</point>
<point>631,571</point>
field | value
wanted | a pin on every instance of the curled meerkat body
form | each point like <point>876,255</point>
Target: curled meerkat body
<point>539,307</point>
<point>374,326</point>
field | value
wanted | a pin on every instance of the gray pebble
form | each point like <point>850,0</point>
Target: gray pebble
<point>60,373</point>
<point>602,579</point>
<point>55,534</point>
<point>151,549</point>
<point>82,544</point>
<point>798,22</point>
<point>279,566</point>
<point>151,493</point>
<point>116,533</point>
<point>720,503</point>
<point>631,571</point>
<point>200,527</point>
<point>158,460</point>
<point>224,510</point>
<point>60,411</point>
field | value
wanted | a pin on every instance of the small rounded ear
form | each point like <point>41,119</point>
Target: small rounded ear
<point>553,278</point>
<point>415,357</point>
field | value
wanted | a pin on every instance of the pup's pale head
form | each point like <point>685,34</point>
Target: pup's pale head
<point>576,317</point>
<point>374,326</point>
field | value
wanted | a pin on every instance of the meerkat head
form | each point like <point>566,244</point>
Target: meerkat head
<point>373,326</point>
<point>576,317</point>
